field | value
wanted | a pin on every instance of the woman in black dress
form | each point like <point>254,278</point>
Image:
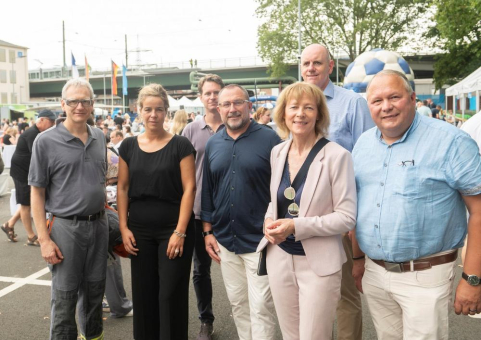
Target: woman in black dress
<point>155,197</point>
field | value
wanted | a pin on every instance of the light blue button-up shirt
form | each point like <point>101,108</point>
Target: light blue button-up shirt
<point>409,193</point>
<point>349,116</point>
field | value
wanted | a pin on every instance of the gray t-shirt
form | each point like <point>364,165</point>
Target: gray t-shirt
<point>198,133</point>
<point>72,172</point>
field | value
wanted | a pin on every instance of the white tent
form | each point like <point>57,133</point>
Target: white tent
<point>173,104</point>
<point>191,105</point>
<point>465,87</point>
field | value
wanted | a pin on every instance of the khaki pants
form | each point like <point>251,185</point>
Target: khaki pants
<point>410,305</point>
<point>249,295</point>
<point>349,309</point>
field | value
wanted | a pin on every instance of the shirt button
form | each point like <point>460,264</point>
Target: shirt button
<point>385,165</point>
<point>378,205</point>
<point>232,220</point>
<point>389,146</point>
<point>379,246</point>
<point>376,226</point>
<point>382,184</point>
<point>235,235</point>
<point>233,155</point>
<point>232,188</point>
<point>233,171</point>
<point>232,205</point>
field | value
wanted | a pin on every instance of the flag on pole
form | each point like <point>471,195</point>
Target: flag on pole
<point>124,81</point>
<point>87,69</point>
<point>74,68</point>
<point>115,69</point>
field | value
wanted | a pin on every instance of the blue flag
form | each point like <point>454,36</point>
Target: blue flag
<point>124,80</point>
<point>74,68</point>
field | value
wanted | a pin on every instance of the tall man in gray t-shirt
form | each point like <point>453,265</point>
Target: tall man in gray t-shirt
<point>67,176</point>
<point>199,132</point>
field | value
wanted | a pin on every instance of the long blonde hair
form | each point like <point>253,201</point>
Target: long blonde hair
<point>180,121</point>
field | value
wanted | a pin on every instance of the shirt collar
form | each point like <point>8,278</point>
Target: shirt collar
<point>203,125</point>
<point>67,136</point>
<point>253,126</point>
<point>329,90</point>
<point>414,125</point>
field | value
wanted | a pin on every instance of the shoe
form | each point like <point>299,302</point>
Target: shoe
<point>105,307</point>
<point>206,331</point>
<point>10,232</point>
<point>33,241</point>
<point>475,316</point>
<point>131,313</point>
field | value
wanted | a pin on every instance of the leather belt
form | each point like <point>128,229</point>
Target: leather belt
<point>84,218</point>
<point>418,265</point>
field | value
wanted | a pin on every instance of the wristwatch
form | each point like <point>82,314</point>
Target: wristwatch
<point>473,280</point>
<point>209,232</point>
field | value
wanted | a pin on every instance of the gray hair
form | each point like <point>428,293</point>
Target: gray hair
<point>77,82</point>
<point>234,86</point>
<point>402,76</point>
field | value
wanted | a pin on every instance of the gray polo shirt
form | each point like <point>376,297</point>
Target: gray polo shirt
<point>72,173</point>
<point>198,133</point>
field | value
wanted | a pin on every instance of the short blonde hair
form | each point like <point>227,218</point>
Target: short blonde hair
<point>297,91</point>
<point>152,90</point>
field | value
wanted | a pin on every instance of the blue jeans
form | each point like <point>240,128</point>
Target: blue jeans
<point>79,280</point>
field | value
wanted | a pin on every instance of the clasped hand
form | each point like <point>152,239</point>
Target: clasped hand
<point>277,231</point>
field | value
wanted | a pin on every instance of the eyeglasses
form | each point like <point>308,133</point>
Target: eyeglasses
<point>74,103</point>
<point>293,208</point>
<point>237,104</point>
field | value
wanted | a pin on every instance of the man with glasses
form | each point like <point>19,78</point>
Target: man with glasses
<point>198,132</point>
<point>67,175</point>
<point>235,195</point>
<point>349,117</point>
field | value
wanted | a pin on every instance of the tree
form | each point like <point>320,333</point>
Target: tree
<point>458,27</point>
<point>349,26</point>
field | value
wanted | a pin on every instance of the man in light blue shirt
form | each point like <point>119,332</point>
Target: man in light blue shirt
<point>423,109</point>
<point>349,117</point>
<point>415,177</point>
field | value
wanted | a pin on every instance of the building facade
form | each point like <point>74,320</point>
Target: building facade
<point>14,84</point>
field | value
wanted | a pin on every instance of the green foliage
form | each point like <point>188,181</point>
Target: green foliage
<point>347,26</point>
<point>458,27</point>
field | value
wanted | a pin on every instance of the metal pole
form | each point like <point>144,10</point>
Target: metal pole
<point>105,93</point>
<point>64,62</point>
<point>126,54</point>
<point>299,29</point>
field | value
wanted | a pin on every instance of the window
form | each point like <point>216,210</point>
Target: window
<point>11,56</point>
<point>3,76</point>
<point>3,98</point>
<point>13,77</point>
<point>14,98</point>
<point>3,55</point>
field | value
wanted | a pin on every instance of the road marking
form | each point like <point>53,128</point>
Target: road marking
<point>20,282</point>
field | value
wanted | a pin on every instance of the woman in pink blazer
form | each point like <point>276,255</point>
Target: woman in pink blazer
<point>307,215</point>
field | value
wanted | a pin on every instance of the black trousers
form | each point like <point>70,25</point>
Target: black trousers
<point>201,277</point>
<point>160,287</point>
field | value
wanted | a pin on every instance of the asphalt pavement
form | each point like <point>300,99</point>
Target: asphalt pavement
<point>25,298</point>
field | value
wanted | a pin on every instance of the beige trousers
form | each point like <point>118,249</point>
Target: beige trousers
<point>249,295</point>
<point>305,302</point>
<point>349,309</point>
<point>410,305</point>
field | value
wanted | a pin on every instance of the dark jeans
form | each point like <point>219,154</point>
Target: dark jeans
<point>201,277</point>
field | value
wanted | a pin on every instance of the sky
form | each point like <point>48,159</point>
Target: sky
<point>158,31</point>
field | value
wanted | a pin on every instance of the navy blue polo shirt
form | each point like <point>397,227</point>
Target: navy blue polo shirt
<point>235,186</point>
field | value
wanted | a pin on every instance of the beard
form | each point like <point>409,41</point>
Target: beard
<point>238,124</point>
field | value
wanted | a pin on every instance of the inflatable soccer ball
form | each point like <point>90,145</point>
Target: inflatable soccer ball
<point>365,66</point>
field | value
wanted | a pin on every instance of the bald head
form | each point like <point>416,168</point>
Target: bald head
<point>316,66</point>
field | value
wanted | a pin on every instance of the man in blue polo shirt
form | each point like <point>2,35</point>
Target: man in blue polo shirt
<point>235,196</point>
<point>415,176</point>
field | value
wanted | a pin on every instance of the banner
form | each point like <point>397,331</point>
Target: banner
<point>115,69</point>
<point>74,68</point>
<point>124,81</point>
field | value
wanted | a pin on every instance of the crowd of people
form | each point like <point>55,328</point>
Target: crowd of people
<point>346,196</point>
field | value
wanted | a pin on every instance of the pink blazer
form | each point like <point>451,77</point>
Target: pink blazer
<point>328,205</point>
